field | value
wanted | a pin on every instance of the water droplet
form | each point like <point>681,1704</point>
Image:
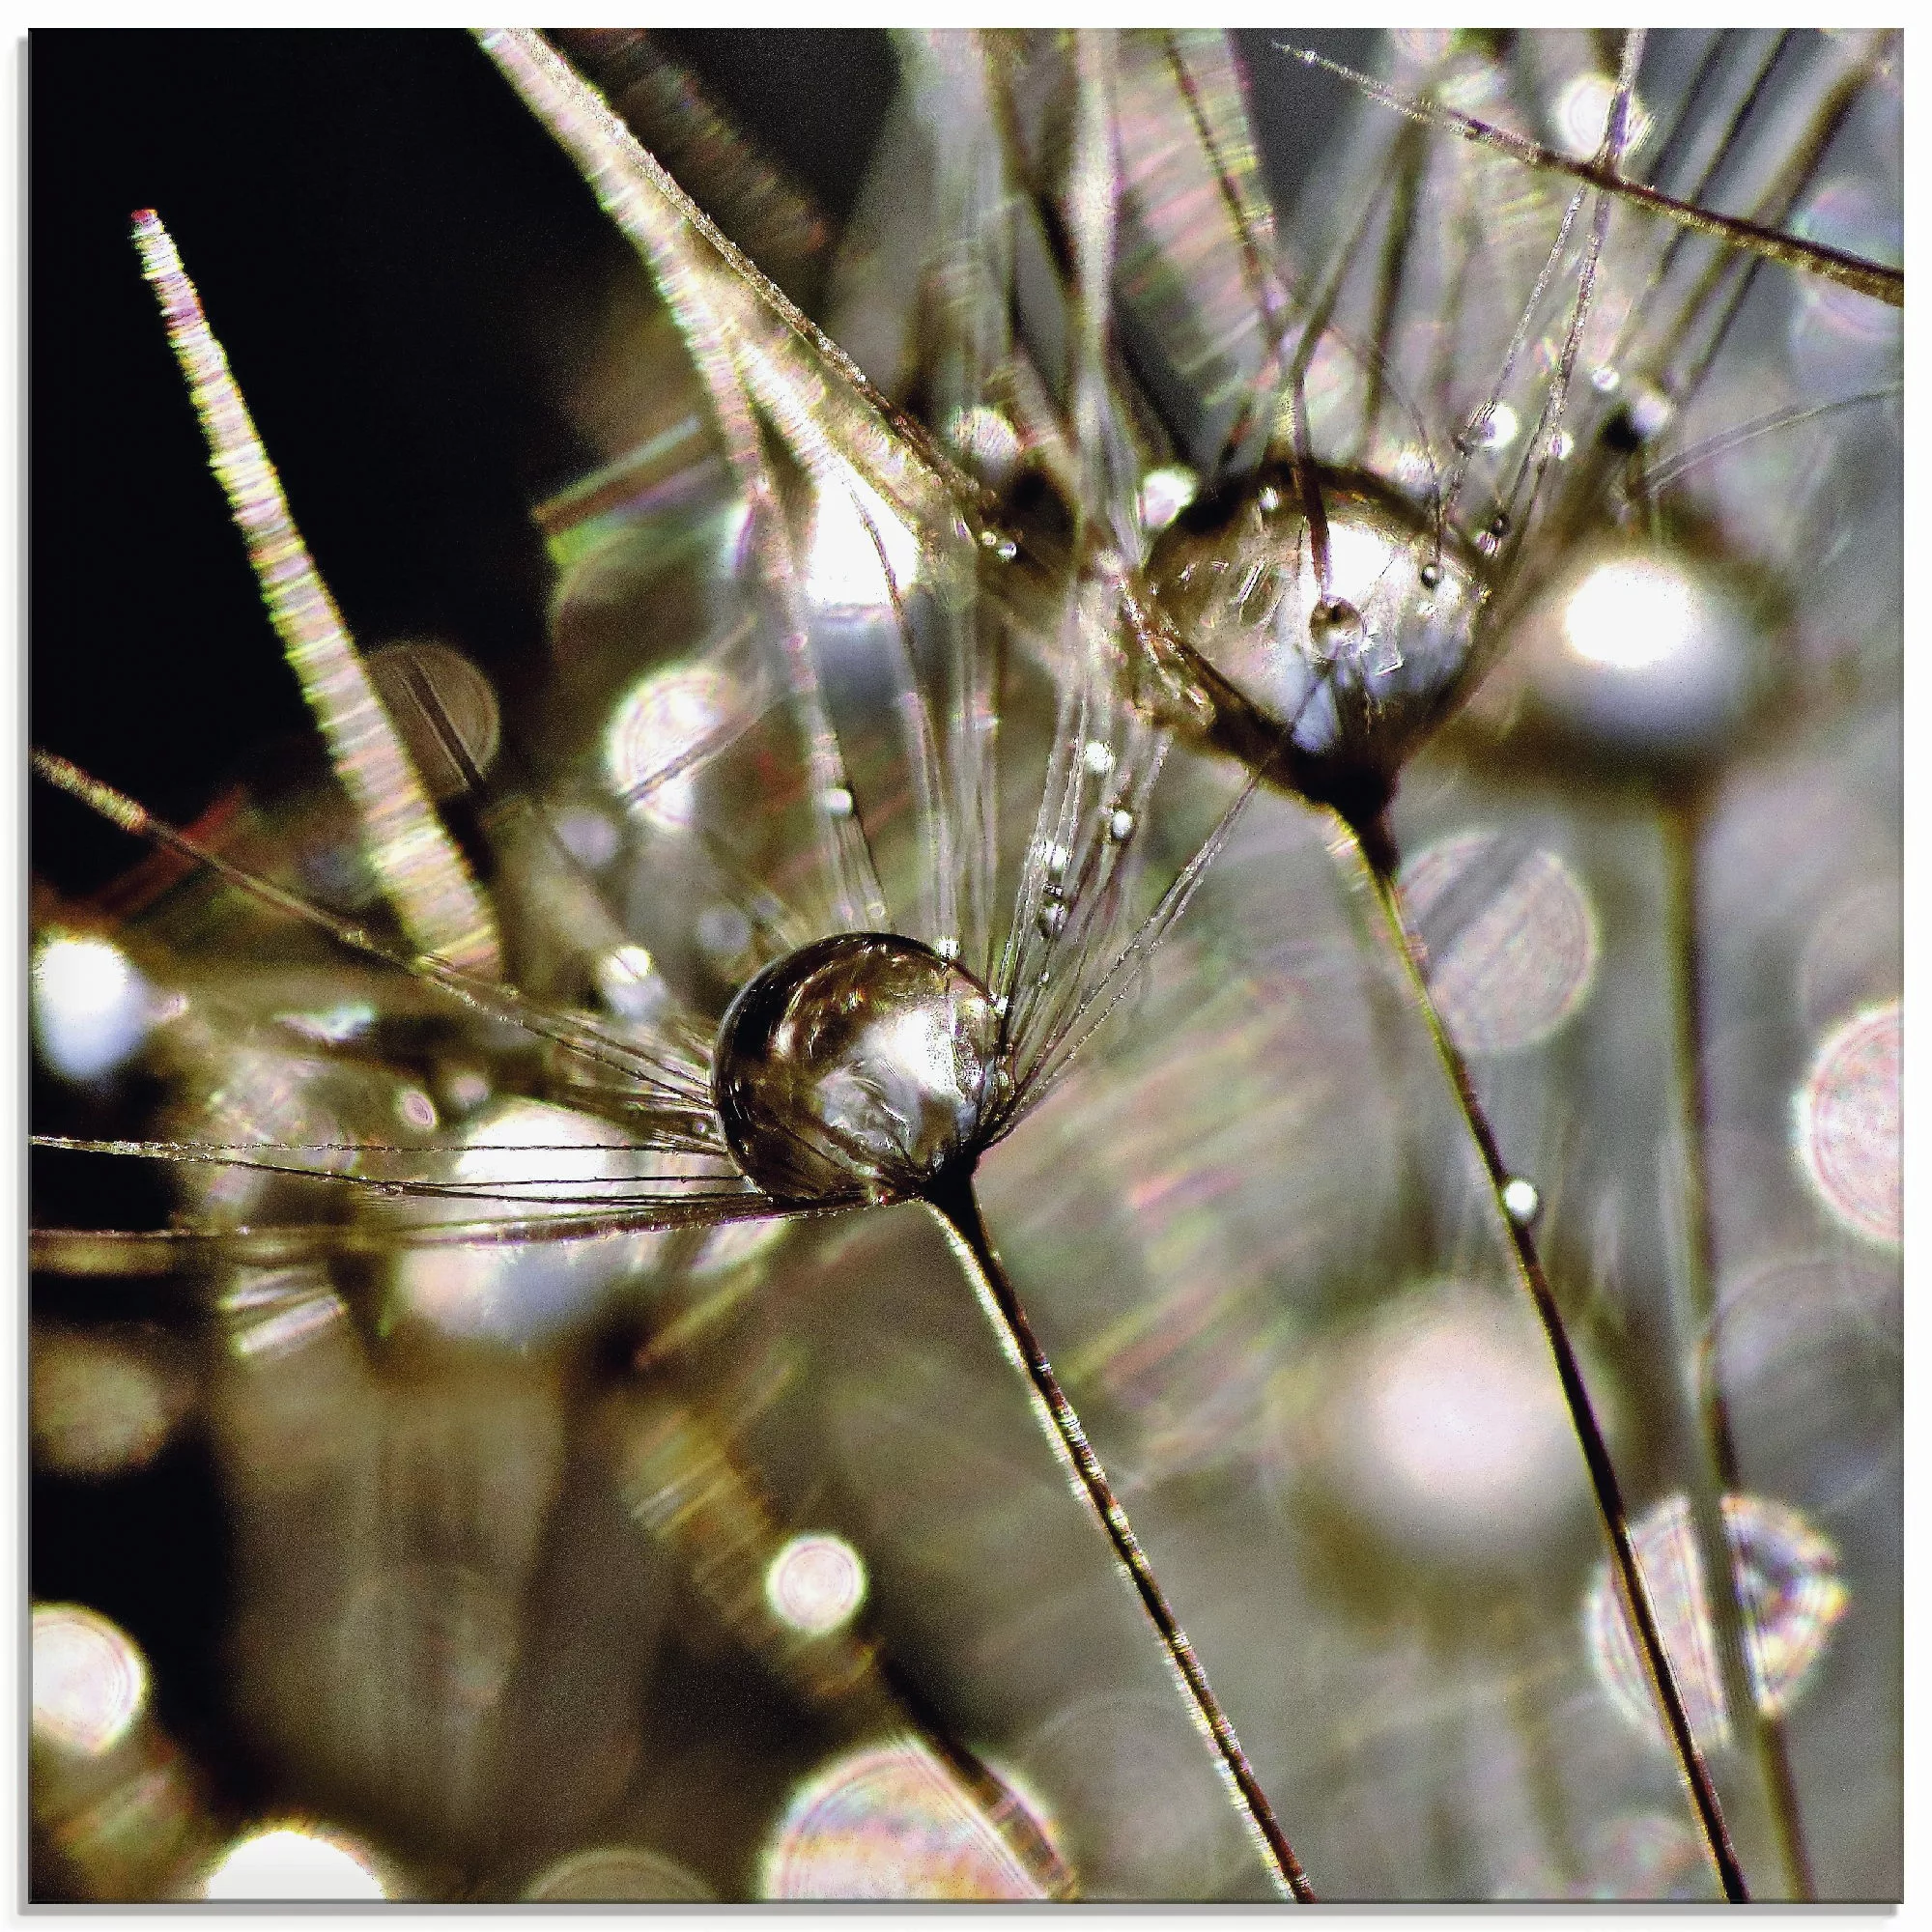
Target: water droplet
<point>1120,825</point>
<point>837,801</point>
<point>1605,380</point>
<point>1098,758</point>
<point>1521,1202</point>
<point>1164,494</point>
<point>1431,575</point>
<point>1269,500</point>
<point>1007,549</point>
<point>859,1065</point>
<point>1051,918</point>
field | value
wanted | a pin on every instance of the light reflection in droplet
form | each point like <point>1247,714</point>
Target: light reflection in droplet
<point>1846,1124</point>
<point>617,1874</point>
<point>1164,494</point>
<point>1510,937</point>
<point>1448,1432</point>
<point>92,1009</point>
<point>1788,1589</point>
<point>90,1681</point>
<point>890,1822</point>
<point>291,1862</point>
<point>666,723</point>
<point>1521,1202</point>
<point>815,1584</point>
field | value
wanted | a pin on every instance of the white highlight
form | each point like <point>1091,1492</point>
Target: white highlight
<point>90,1680</point>
<point>92,1009</point>
<point>293,1862</point>
<point>815,1584</point>
<point>1631,613</point>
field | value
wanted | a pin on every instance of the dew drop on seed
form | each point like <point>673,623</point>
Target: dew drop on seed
<point>1521,1202</point>
<point>861,1064</point>
<point>1352,668</point>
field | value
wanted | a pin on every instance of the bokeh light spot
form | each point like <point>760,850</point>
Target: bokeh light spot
<point>890,1822</point>
<point>90,1680</point>
<point>1448,1430</point>
<point>91,1007</point>
<point>666,723</point>
<point>1846,1124</point>
<point>1788,1589</point>
<point>1510,937</point>
<point>815,1584</point>
<point>293,1861</point>
<point>617,1874</point>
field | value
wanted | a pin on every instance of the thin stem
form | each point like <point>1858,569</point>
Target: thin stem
<point>1681,833</point>
<point>954,1201</point>
<point>1608,1493</point>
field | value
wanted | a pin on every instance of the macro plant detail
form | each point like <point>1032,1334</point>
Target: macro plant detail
<point>1143,549</point>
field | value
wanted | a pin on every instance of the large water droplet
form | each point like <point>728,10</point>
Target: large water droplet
<point>861,1064</point>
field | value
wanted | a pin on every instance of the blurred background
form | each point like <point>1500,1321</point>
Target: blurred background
<point>730,1563</point>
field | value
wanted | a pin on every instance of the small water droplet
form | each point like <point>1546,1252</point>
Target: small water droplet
<point>1097,757</point>
<point>1605,380</point>
<point>1007,549</point>
<point>1431,575</point>
<point>1521,1202</point>
<point>1269,500</point>
<point>837,801</point>
<point>1057,859</point>
<point>1120,825</point>
<point>1051,918</point>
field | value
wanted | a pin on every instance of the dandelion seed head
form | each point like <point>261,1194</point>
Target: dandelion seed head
<point>859,1066</point>
<point>1351,667</point>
